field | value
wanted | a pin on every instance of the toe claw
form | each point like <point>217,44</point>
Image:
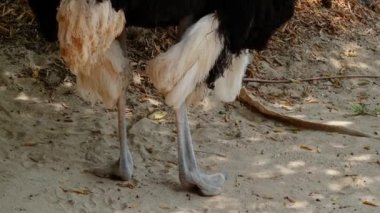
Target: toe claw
<point>213,184</point>
<point>209,185</point>
<point>115,171</point>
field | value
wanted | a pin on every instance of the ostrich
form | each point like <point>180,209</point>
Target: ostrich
<point>211,54</point>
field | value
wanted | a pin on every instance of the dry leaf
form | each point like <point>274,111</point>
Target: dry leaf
<point>367,147</point>
<point>350,53</point>
<point>290,199</point>
<point>127,184</point>
<point>165,207</point>
<point>364,82</point>
<point>278,130</point>
<point>84,191</point>
<point>158,115</point>
<point>306,147</point>
<point>370,203</point>
<point>295,81</point>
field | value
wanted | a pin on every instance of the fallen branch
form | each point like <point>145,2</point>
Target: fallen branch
<point>246,98</point>
<point>287,81</point>
<point>211,153</point>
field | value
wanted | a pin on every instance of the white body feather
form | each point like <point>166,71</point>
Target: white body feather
<point>228,86</point>
<point>177,72</point>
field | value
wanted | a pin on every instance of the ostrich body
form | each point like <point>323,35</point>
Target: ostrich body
<point>212,54</point>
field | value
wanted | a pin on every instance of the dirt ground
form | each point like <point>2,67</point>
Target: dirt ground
<point>50,137</point>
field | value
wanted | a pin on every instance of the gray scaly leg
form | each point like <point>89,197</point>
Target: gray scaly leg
<point>189,173</point>
<point>123,168</point>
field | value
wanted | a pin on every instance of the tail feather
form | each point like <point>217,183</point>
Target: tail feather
<point>86,30</point>
<point>87,33</point>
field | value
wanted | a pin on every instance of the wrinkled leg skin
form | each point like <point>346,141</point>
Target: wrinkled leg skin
<point>123,168</point>
<point>189,173</point>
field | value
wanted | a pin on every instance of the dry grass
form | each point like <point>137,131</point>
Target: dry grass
<point>311,20</point>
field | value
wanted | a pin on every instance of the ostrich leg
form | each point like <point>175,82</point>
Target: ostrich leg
<point>123,168</point>
<point>189,173</point>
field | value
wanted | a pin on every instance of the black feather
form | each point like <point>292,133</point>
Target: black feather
<point>46,12</point>
<point>223,61</point>
<point>249,24</point>
<point>244,24</point>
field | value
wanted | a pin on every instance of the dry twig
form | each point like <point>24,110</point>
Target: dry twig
<point>246,98</point>
<point>285,81</point>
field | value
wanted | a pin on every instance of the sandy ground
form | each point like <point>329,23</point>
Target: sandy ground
<point>49,138</point>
